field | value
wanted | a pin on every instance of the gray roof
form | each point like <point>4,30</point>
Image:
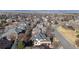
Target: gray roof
<point>39,37</point>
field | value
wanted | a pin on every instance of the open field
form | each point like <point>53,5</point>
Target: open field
<point>69,34</point>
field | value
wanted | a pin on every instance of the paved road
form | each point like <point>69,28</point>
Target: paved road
<point>63,40</point>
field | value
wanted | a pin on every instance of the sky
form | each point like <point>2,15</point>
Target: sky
<point>43,11</point>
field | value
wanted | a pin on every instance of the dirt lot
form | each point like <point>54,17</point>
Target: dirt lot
<point>69,34</point>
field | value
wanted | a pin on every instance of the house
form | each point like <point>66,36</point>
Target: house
<point>40,38</point>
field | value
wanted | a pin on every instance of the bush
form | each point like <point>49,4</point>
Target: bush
<point>77,35</point>
<point>77,42</point>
